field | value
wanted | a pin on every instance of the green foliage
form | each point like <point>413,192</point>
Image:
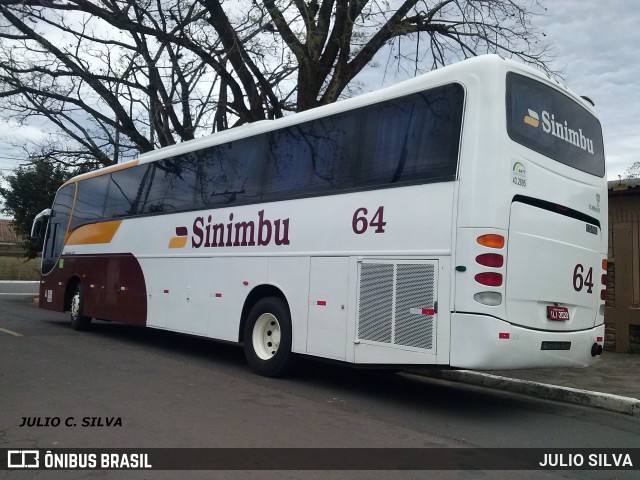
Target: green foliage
<point>28,191</point>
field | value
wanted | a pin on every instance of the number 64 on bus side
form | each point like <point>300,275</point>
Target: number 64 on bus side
<point>360,222</point>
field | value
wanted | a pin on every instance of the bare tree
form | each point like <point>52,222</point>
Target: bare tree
<point>633,171</point>
<point>113,78</point>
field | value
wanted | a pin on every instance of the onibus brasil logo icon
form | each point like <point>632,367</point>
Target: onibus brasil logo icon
<point>559,130</point>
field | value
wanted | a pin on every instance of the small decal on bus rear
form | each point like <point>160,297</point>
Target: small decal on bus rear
<point>592,229</point>
<point>519,173</point>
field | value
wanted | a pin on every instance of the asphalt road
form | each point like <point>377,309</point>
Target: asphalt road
<point>170,390</point>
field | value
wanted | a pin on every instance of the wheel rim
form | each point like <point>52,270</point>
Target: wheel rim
<point>266,336</point>
<point>75,306</point>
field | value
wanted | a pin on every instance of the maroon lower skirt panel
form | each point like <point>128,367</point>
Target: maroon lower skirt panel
<point>113,287</point>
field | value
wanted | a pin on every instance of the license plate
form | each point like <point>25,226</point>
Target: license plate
<point>557,313</point>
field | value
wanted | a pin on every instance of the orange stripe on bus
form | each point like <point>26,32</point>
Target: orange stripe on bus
<point>177,242</point>
<point>102,232</point>
<point>103,171</point>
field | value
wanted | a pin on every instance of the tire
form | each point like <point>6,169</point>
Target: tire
<point>78,320</point>
<point>267,338</point>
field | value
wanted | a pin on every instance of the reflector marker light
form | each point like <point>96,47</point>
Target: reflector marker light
<point>322,303</point>
<point>491,241</point>
<point>604,279</point>
<point>422,311</point>
<point>599,339</point>
<point>166,291</point>
<point>218,295</point>
<point>504,335</point>
<point>491,299</point>
<point>604,264</point>
<point>490,260</point>
<point>490,279</point>
<point>603,294</point>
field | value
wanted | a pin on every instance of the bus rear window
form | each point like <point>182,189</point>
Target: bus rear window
<point>549,122</point>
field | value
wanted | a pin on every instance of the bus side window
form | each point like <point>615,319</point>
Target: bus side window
<point>311,158</point>
<point>411,139</point>
<point>335,150</point>
<point>170,185</point>
<point>126,191</point>
<point>384,142</point>
<point>290,169</point>
<point>90,201</point>
<point>441,124</point>
<point>231,174</point>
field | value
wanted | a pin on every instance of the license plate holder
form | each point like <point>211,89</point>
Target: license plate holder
<point>557,314</point>
<point>555,346</point>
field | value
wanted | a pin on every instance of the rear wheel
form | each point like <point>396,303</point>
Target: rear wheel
<point>78,320</point>
<point>267,338</point>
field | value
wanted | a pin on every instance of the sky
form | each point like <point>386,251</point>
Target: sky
<point>595,45</point>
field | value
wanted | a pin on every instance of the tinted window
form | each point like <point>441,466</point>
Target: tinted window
<point>230,174</point>
<point>408,140</point>
<point>170,185</point>
<point>126,191</point>
<point>415,138</point>
<point>549,122</point>
<point>312,158</point>
<point>58,222</point>
<point>90,201</point>
<point>335,150</point>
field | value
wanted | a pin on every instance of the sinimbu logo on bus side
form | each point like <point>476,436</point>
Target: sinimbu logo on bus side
<point>559,130</point>
<point>208,232</point>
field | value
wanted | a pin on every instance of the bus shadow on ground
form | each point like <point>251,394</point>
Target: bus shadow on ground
<point>407,391</point>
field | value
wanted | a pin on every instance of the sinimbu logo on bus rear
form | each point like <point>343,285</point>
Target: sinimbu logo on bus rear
<point>207,232</point>
<point>559,129</point>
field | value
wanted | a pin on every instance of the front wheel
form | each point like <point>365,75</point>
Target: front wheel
<point>78,320</point>
<point>267,338</point>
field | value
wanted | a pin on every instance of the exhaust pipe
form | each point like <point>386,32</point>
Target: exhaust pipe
<point>596,350</point>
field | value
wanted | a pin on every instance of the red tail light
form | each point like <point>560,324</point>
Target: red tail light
<point>490,260</point>
<point>490,279</point>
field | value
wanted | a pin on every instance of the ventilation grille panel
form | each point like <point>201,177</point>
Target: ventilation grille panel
<point>396,303</point>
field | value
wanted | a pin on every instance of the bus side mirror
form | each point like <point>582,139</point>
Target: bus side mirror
<point>40,224</point>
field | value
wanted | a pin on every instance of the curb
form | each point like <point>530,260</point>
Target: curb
<point>20,282</point>
<point>605,401</point>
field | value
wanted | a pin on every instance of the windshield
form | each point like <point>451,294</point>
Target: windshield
<point>551,123</point>
<point>58,222</point>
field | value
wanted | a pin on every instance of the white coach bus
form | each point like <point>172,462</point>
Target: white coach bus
<point>456,219</point>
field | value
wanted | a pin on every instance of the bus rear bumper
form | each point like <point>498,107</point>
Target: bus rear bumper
<point>480,342</point>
